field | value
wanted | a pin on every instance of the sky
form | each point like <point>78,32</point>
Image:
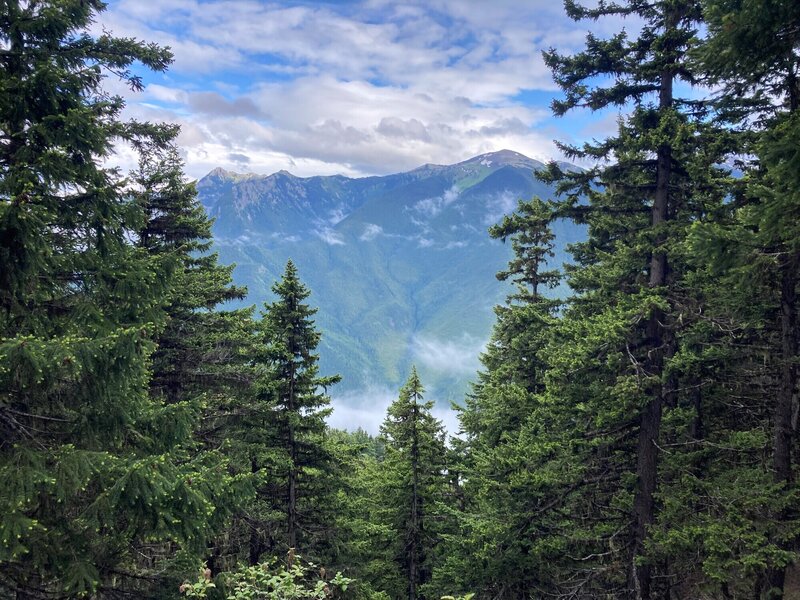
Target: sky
<point>354,88</point>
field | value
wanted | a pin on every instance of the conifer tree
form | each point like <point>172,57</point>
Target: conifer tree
<point>513,356</point>
<point>614,367</point>
<point>297,466</point>
<point>200,350</point>
<point>201,362</point>
<point>497,532</point>
<point>413,485</point>
<point>93,470</point>
<point>753,53</point>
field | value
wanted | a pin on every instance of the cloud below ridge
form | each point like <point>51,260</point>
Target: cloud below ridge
<point>366,409</point>
<point>455,357</point>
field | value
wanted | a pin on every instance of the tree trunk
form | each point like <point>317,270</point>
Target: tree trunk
<point>696,431</point>
<point>783,410</point>
<point>256,547</point>
<point>783,429</point>
<point>650,419</point>
<point>783,433</point>
<point>414,542</point>
<point>646,470</point>
<point>292,512</point>
<point>293,505</point>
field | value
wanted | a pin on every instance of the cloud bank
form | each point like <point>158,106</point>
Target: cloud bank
<point>366,409</point>
<point>357,88</point>
<point>453,357</point>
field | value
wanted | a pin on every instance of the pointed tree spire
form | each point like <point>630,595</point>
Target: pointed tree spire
<point>415,480</point>
<point>290,388</point>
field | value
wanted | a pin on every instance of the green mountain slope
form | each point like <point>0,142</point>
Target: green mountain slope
<point>401,266</point>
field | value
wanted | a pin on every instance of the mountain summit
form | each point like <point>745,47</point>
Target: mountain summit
<point>504,158</point>
<point>401,266</point>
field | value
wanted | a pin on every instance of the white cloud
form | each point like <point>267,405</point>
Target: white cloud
<point>450,195</point>
<point>456,357</point>
<point>431,207</point>
<point>325,126</point>
<point>336,215</point>
<point>498,206</point>
<point>285,237</point>
<point>372,88</point>
<point>366,408</point>
<point>329,236</point>
<point>371,231</point>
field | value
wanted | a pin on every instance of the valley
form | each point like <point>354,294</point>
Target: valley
<point>401,266</point>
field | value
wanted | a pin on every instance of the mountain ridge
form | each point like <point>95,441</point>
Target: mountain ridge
<point>504,154</point>
<point>401,265</point>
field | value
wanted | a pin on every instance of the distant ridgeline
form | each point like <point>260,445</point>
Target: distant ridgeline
<point>401,266</point>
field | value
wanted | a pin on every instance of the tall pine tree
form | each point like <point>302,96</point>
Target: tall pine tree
<point>200,351</point>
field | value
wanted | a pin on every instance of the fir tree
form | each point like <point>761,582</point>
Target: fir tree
<point>200,351</point>
<point>497,531</point>
<point>94,472</point>
<point>752,53</point>
<point>201,361</point>
<point>513,356</point>
<point>413,485</point>
<point>299,469</point>
<point>614,367</point>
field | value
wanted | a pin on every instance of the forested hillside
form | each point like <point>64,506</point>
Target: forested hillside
<point>635,438</point>
<point>401,264</point>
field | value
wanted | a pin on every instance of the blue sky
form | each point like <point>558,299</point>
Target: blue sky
<point>356,88</point>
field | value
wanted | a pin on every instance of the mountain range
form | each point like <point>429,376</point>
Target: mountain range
<point>401,266</point>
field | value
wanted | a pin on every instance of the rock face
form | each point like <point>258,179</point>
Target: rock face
<point>401,266</point>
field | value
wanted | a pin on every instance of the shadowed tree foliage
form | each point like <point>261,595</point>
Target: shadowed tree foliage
<point>95,471</point>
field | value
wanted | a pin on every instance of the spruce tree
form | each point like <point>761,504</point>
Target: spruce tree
<point>614,372</point>
<point>93,468</point>
<point>414,481</point>
<point>296,466</point>
<point>513,356</point>
<point>201,364</point>
<point>201,349</point>
<point>752,53</point>
<point>497,532</point>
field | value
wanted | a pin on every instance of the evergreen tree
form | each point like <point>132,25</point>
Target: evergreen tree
<point>201,361</point>
<point>513,357</point>
<point>94,469</point>
<point>752,52</point>
<point>613,374</point>
<point>290,453</point>
<point>413,485</point>
<point>200,350</point>
<point>366,550</point>
<point>497,532</point>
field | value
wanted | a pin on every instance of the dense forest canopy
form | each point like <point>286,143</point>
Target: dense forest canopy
<point>637,438</point>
